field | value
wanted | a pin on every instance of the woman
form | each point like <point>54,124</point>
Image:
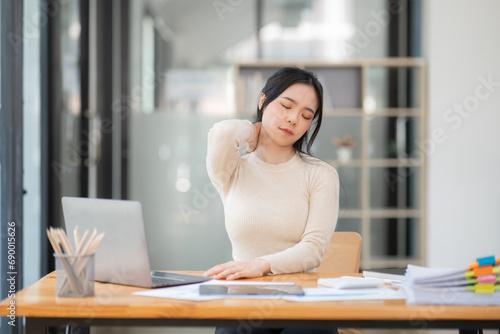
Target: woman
<point>280,204</point>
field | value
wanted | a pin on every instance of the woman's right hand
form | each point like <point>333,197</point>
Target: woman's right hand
<point>239,269</point>
<point>252,144</point>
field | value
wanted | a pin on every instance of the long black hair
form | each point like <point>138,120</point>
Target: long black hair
<point>278,83</point>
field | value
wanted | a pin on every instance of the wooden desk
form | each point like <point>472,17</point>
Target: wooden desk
<point>114,305</point>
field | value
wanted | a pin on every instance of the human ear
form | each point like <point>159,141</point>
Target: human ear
<point>261,100</point>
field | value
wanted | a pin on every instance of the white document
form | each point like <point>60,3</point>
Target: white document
<point>183,292</point>
<point>191,291</point>
<point>328,294</point>
<point>350,282</point>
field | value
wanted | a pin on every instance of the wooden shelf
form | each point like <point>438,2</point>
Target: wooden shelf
<point>381,213</point>
<point>386,112</point>
<point>394,162</point>
<point>350,214</point>
<point>394,213</point>
<point>397,112</point>
<point>377,163</point>
<point>376,62</point>
<point>355,112</point>
<point>343,112</point>
<point>351,163</point>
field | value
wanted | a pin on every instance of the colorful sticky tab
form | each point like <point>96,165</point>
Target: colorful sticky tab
<point>488,279</point>
<point>485,270</point>
<point>484,288</point>
<point>481,271</point>
<point>484,261</point>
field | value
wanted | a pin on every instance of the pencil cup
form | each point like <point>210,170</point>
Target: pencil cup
<point>74,275</point>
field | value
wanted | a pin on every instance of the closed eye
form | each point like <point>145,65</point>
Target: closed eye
<point>305,117</point>
<point>286,107</point>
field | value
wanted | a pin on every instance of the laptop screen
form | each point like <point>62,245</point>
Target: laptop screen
<point>122,257</point>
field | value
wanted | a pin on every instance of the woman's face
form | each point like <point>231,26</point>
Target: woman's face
<point>288,117</point>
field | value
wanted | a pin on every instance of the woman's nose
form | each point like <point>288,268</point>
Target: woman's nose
<point>292,118</point>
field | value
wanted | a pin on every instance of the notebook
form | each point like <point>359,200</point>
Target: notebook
<point>122,257</point>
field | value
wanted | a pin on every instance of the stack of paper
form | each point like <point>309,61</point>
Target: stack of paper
<point>476,284</point>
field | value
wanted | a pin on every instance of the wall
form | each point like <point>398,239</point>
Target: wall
<point>463,156</point>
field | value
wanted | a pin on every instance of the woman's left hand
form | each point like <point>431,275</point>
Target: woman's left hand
<point>239,269</point>
<point>252,144</point>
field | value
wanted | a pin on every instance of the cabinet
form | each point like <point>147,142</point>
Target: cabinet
<point>380,104</point>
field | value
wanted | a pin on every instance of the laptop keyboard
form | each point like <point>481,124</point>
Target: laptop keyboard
<point>166,280</point>
<point>160,278</point>
<point>158,281</point>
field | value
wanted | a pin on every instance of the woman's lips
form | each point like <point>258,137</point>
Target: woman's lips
<point>286,131</point>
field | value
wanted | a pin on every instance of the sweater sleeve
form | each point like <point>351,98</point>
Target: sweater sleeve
<point>223,156</point>
<point>321,222</point>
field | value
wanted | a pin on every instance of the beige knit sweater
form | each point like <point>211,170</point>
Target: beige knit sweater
<point>284,214</point>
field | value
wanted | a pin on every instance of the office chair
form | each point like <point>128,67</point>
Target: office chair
<point>342,254</point>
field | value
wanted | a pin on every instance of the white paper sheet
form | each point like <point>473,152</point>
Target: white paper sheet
<point>328,294</point>
<point>350,282</point>
<point>183,292</point>
<point>191,292</point>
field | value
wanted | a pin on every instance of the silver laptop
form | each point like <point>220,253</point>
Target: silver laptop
<point>122,257</point>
